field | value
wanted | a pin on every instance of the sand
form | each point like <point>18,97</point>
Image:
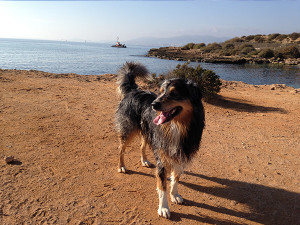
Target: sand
<point>60,130</point>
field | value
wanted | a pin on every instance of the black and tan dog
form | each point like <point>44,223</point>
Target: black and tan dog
<point>171,124</point>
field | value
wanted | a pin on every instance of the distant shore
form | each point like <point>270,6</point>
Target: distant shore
<point>195,55</point>
<point>254,49</point>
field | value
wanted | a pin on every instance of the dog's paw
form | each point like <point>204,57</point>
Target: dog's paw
<point>164,212</point>
<point>122,169</point>
<point>146,163</point>
<point>177,199</point>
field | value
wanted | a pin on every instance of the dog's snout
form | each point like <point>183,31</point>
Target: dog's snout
<point>156,105</point>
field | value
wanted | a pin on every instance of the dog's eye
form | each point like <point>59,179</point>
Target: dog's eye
<point>172,93</point>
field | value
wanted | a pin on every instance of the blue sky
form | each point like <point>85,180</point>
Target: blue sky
<point>104,20</point>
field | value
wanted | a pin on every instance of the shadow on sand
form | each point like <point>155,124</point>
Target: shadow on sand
<point>268,205</point>
<point>242,106</point>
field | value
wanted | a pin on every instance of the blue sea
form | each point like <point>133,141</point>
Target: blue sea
<point>98,58</point>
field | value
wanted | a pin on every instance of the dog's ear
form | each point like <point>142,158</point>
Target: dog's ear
<point>194,92</point>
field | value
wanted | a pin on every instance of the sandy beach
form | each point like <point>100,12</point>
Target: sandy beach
<point>60,130</point>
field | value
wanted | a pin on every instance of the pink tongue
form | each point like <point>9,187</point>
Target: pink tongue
<point>160,118</point>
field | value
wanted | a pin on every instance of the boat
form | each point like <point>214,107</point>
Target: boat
<point>118,44</point>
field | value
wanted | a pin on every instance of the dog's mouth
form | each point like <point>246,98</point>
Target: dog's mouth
<point>166,116</point>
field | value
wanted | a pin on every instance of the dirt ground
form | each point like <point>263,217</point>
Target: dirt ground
<point>60,129</point>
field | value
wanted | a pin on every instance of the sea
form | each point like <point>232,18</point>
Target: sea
<point>87,58</point>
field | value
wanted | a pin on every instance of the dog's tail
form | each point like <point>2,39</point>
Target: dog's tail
<point>127,74</point>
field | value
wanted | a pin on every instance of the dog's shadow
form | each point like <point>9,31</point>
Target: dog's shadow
<point>268,205</point>
<point>242,105</point>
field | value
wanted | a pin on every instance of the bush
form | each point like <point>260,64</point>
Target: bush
<point>233,40</point>
<point>206,80</point>
<point>271,37</point>
<point>198,46</point>
<point>188,46</point>
<point>214,47</point>
<point>228,46</point>
<point>281,37</point>
<point>227,52</point>
<point>278,55</point>
<point>290,52</point>
<point>245,49</point>
<point>266,53</point>
<point>259,39</point>
<point>249,38</point>
<point>294,36</point>
<point>248,51</point>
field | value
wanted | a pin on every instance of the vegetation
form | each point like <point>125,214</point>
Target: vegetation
<point>206,80</point>
<point>290,52</point>
<point>272,48</point>
<point>254,45</point>
<point>266,53</point>
<point>271,38</point>
<point>193,46</point>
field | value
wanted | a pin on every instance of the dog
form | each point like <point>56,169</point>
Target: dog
<point>171,124</point>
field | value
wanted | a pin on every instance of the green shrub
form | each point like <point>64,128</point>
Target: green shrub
<point>259,39</point>
<point>281,37</point>
<point>294,36</point>
<point>271,37</point>
<point>249,38</point>
<point>188,46</point>
<point>227,52</point>
<point>228,46</point>
<point>206,80</point>
<point>214,47</point>
<point>248,51</point>
<point>234,40</point>
<point>198,46</point>
<point>278,55</point>
<point>290,52</point>
<point>245,46</point>
<point>266,53</point>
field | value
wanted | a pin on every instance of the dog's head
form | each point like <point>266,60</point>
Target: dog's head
<point>177,100</point>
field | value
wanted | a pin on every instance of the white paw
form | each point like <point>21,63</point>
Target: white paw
<point>164,212</point>
<point>146,163</point>
<point>177,199</point>
<point>122,169</point>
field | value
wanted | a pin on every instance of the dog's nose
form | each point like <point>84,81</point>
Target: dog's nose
<point>156,105</point>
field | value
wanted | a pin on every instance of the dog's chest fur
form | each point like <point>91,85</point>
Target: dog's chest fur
<point>168,138</point>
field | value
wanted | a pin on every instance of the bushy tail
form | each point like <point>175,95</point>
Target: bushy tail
<point>127,74</point>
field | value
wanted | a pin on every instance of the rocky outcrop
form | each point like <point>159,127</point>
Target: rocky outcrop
<point>179,54</point>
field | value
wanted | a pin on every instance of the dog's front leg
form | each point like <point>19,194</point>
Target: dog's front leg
<point>175,197</point>
<point>163,207</point>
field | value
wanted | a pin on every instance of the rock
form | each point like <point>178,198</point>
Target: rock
<point>296,91</point>
<point>278,86</point>
<point>9,159</point>
<point>291,61</point>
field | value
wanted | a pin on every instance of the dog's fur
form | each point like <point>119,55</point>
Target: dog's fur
<point>173,142</point>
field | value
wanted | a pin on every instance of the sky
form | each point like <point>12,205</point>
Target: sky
<point>101,21</point>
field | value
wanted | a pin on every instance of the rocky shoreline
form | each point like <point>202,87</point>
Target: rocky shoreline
<point>196,55</point>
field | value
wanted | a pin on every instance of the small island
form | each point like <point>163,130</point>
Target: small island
<point>272,48</point>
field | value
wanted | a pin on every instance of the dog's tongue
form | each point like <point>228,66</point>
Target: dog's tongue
<point>161,118</point>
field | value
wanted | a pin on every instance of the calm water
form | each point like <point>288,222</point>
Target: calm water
<point>95,58</point>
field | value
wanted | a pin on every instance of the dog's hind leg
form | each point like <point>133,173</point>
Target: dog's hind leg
<point>163,207</point>
<point>125,138</point>
<point>175,197</point>
<point>122,147</point>
<point>144,159</point>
